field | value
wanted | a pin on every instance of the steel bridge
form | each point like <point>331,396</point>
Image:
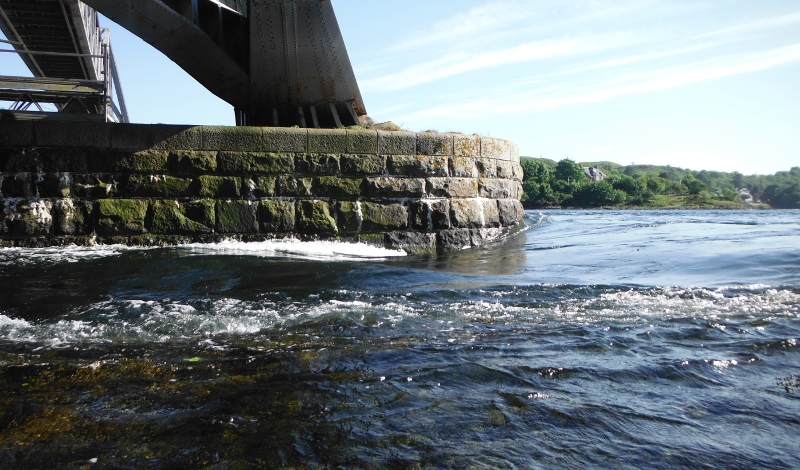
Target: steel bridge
<point>70,57</point>
<point>278,62</point>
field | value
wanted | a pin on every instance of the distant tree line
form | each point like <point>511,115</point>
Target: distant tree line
<point>565,183</point>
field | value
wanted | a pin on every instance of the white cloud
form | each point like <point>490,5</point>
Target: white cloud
<point>462,62</point>
<point>567,94</point>
<point>479,22</point>
<point>764,24</point>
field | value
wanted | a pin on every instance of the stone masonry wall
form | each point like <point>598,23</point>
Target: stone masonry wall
<point>82,183</point>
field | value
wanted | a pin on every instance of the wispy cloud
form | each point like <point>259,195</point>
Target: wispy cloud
<point>462,62</point>
<point>759,25</point>
<point>479,22</point>
<point>657,80</point>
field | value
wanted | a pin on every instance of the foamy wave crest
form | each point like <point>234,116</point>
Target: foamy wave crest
<point>293,248</point>
<point>61,254</point>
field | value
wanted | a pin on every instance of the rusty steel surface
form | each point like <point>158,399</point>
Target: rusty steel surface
<point>278,62</point>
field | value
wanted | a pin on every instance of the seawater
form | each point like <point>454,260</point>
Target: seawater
<point>606,339</point>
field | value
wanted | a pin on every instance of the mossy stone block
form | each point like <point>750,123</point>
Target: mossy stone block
<point>73,134</point>
<point>169,218</point>
<point>261,186</point>
<point>338,188</point>
<point>327,141</point>
<point>278,139</point>
<point>202,211</point>
<point>363,165</point>
<point>95,185</point>
<point>191,162</point>
<point>397,143</point>
<point>159,186</point>
<point>121,216</point>
<point>146,161</point>
<point>349,216</point>
<point>418,165</point>
<point>233,138</point>
<point>237,217</point>
<point>255,163</point>
<point>31,217</point>
<point>72,217</point>
<point>218,187</point>
<point>66,160</point>
<point>289,186</point>
<point>453,187</point>
<point>395,187</point>
<point>383,217</point>
<point>317,164</point>
<point>276,216</point>
<point>362,141</point>
<point>432,143</point>
<point>315,217</point>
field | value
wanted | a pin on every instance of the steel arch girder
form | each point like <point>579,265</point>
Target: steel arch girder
<point>294,55</point>
<point>183,42</point>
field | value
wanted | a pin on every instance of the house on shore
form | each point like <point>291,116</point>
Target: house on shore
<point>594,173</point>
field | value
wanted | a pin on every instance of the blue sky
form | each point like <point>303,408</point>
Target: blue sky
<point>695,84</point>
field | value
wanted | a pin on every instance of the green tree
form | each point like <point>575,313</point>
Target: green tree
<point>694,185</point>
<point>569,171</point>
<point>630,185</point>
<point>536,170</point>
<point>598,193</point>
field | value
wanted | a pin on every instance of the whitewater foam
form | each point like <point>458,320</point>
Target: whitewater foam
<point>296,249</point>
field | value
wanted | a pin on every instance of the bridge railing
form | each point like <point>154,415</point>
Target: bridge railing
<point>96,96</point>
<point>74,98</point>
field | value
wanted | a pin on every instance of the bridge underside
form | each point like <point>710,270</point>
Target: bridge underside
<point>70,59</point>
<point>278,62</point>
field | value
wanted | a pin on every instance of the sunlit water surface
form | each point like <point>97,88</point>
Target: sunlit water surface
<point>616,339</point>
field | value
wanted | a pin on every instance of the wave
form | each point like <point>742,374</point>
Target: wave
<point>296,249</point>
<point>556,307</point>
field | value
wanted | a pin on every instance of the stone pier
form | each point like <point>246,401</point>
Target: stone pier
<point>81,183</point>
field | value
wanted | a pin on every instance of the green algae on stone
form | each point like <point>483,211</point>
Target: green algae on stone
<point>317,164</point>
<point>237,217</point>
<point>315,217</point>
<point>145,161</point>
<point>121,216</point>
<point>192,162</point>
<point>276,216</point>
<point>383,217</point>
<point>218,187</point>
<point>160,186</point>
<point>72,217</point>
<point>349,216</point>
<point>338,188</point>
<point>363,165</point>
<point>169,217</point>
<point>236,163</point>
